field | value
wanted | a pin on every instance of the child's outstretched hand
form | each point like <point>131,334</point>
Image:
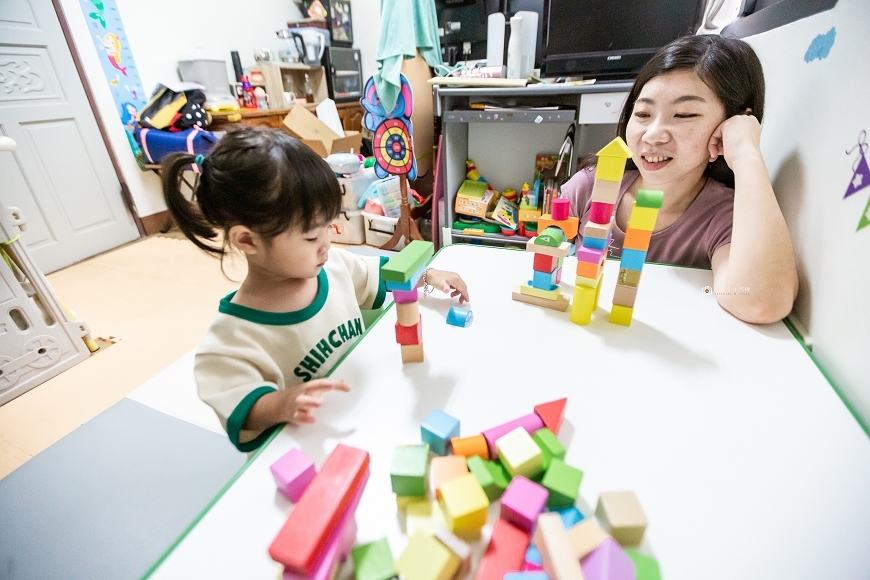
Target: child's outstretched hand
<point>308,399</point>
<point>448,282</point>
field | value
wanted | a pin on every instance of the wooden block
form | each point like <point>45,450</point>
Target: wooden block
<point>643,218</point>
<point>549,236</point>
<point>628,277</point>
<point>588,269</point>
<point>504,552</point>
<point>595,243</point>
<point>545,263</point>
<point>402,501</point>
<point>464,504</point>
<point>649,198</point>
<point>443,469</point>
<point>292,473</point>
<point>307,529</point>
<point>527,214</point>
<point>460,317</point>
<point>557,553</point>
<point>616,149</point>
<point>532,560</point>
<point>458,547</point>
<point>595,230</point>
<point>563,483</point>
<point>606,191</point>
<point>583,305</point>
<point>402,266</point>
<point>599,212</point>
<point>408,286</point>
<point>637,239</point>
<point>632,259</point>
<point>519,454</point>
<point>646,567</point>
<point>585,537</point>
<point>550,446</point>
<point>563,250</point>
<point>408,314</point>
<point>410,335</point>
<point>531,423</point>
<point>470,446</point>
<point>400,297</point>
<point>619,512</point>
<point>571,516</point>
<point>423,515</point>
<point>561,303</point>
<point>625,295</point>
<point>551,413</point>
<point>437,429</point>
<point>543,280</point>
<point>412,353</point>
<point>522,503</point>
<point>591,255</point>
<point>607,562</point>
<point>491,475</point>
<point>620,315</point>
<point>610,169</point>
<point>589,282</point>
<point>568,226</point>
<point>335,551</point>
<point>539,293</point>
<point>373,561</point>
<point>408,470</point>
<point>560,208</point>
<point>425,558</point>
<point>527,575</point>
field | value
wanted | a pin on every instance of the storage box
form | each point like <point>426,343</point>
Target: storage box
<point>303,124</point>
<point>379,229</point>
<point>347,228</point>
<point>354,186</point>
<point>474,199</point>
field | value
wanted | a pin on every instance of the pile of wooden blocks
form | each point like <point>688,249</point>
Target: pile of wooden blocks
<point>402,274</point>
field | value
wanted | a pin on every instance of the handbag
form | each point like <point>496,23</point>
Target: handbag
<point>174,111</point>
<point>158,144</point>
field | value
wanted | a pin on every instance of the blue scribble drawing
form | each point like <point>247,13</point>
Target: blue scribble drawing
<point>821,45</point>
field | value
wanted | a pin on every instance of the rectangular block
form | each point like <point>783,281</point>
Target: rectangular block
<point>625,295</point>
<point>545,263</point>
<point>595,243</point>
<point>620,315</point>
<point>402,266</point>
<point>545,294</point>
<point>636,239</point>
<point>568,226</point>
<point>563,250</point>
<point>560,303</point>
<point>596,230</point>
<point>400,297</point>
<point>589,282</point>
<point>557,553</point>
<point>585,537</point>
<point>504,552</point>
<point>531,423</point>
<point>307,529</point>
<point>628,277</point>
<point>336,550</point>
<point>643,218</point>
<point>410,335</point>
<point>600,213</point>
<point>632,259</point>
<point>590,255</point>
<point>606,191</point>
<point>412,353</point>
<point>549,444</point>
<point>408,314</point>
<point>543,280</point>
<point>470,446</point>
<point>409,285</point>
<point>649,198</point>
<point>588,270</point>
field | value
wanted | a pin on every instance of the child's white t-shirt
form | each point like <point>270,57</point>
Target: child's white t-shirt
<point>247,353</point>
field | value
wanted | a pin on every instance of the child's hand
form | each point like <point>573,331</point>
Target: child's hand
<point>308,399</point>
<point>447,282</point>
<point>737,137</point>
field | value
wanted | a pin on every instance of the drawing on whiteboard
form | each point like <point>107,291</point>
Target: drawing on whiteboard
<point>821,45</point>
<point>860,176</point>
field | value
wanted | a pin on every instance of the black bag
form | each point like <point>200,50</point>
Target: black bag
<point>169,110</point>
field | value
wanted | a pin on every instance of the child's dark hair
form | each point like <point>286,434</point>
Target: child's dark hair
<point>728,66</point>
<point>263,179</point>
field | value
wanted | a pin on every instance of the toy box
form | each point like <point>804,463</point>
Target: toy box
<point>379,229</point>
<point>474,199</point>
<point>348,228</point>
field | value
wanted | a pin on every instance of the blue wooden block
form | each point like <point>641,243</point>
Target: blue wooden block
<point>411,284</point>
<point>544,280</point>
<point>459,316</point>
<point>595,243</point>
<point>632,259</point>
<point>438,429</point>
<point>570,516</point>
<point>527,575</point>
<point>533,556</point>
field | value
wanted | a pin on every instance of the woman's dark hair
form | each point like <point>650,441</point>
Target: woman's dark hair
<point>728,66</point>
<point>263,179</point>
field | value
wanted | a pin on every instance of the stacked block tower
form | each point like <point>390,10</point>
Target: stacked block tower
<point>550,247</point>
<point>402,273</point>
<point>641,224</point>
<point>598,230</point>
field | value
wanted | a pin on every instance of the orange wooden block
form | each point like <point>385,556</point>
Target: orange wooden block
<point>444,469</point>
<point>588,270</point>
<point>636,239</point>
<point>569,226</point>
<point>470,446</point>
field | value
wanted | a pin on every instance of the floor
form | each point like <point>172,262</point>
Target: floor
<point>149,303</point>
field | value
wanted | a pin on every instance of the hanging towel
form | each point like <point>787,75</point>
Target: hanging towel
<point>406,27</point>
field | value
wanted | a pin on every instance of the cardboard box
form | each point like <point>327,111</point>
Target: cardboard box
<point>474,199</point>
<point>304,125</point>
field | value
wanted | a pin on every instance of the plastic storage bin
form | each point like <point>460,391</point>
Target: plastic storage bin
<point>348,228</point>
<point>379,229</point>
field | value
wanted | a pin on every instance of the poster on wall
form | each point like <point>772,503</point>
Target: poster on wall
<point>860,177</point>
<point>122,76</point>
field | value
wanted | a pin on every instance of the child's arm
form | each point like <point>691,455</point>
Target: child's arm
<point>760,256</point>
<point>294,405</point>
<point>448,282</point>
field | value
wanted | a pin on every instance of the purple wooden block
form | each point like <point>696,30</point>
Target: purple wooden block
<point>607,562</point>
<point>522,502</point>
<point>401,297</point>
<point>293,472</point>
<point>530,423</point>
<point>590,255</point>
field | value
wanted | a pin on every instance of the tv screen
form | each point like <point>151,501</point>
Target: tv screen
<point>612,39</point>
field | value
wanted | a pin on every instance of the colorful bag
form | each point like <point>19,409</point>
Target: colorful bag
<point>174,111</point>
<point>158,144</point>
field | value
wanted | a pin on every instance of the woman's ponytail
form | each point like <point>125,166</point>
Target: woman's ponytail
<point>187,214</point>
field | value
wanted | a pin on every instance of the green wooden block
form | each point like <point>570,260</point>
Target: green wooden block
<point>491,476</point>
<point>373,561</point>
<point>649,198</point>
<point>551,236</point>
<point>646,567</point>
<point>402,266</point>
<point>550,446</point>
<point>408,470</point>
<point>563,483</point>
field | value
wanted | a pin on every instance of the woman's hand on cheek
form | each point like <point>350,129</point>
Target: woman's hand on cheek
<point>737,136</point>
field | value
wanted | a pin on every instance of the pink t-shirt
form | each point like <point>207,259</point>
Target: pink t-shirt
<point>689,241</point>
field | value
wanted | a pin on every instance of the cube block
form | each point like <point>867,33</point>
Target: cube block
<point>550,446</point>
<point>563,483</point>
<point>571,516</point>
<point>408,470</point>
<point>619,512</point>
<point>437,429</point>
<point>646,567</point>
<point>412,353</point>
<point>491,475</point>
<point>628,277</point>
<point>636,239</point>
<point>545,263</point>
<point>425,558</point>
<point>519,454</point>
<point>620,315</point>
<point>531,423</point>
<point>464,504</point>
<point>400,297</point>
<point>292,473</point>
<point>625,295</point>
<point>373,561</point>
<point>523,502</point>
<point>423,515</point>
<point>632,259</point>
<point>643,218</point>
<point>606,191</point>
<point>444,469</point>
<point>410,335</point>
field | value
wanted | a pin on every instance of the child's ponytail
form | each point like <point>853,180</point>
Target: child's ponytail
<point>187,214</point>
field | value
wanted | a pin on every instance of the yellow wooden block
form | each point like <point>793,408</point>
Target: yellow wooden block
<point>424,515</point>
<point>561,303</point>
<point>643,218</point>
<point>597,293</point>
<point>425,558</point>
<point>519,453</point>
<point>569,226</point>
<point>589,282</point>
<point>464,504</point>
<point>615,148</point>
<point>402,501</point>
<point>532,291</point>
<point>621,315</point>
<point>583,304</point>
<point>528,214</point>
<point>610,169</point>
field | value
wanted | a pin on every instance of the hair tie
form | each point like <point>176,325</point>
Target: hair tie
<point>198,160</point>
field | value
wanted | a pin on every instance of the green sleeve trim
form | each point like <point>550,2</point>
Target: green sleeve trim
<point>382,286</point>
<point>238,416</point>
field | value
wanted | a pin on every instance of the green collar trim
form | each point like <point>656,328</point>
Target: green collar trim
<point>278,318</point>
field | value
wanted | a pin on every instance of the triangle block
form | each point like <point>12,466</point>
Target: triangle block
<point>608,562</point>
<point>616,148</point>
<point>551,414</point>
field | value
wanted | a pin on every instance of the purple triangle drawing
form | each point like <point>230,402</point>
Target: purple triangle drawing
<point>860,179</point>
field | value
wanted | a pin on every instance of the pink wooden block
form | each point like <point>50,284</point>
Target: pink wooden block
<point>522,502</point>
<point>530,423</point>
<point>559,209</point>
<point>558,275</point>
<point>531,567</point>
<point>401,297</point>
<point>607,562</point>
<point>600,212</point>
<point>293,472</point>
<point>591,255</point>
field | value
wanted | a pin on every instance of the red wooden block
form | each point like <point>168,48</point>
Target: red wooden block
<point>504,553</point>
<point>559,209</point>
<point>600,212</point>
<point>312,521</point>
<point>545,263</point>
<point>410,335</point>
<point>551,414</point>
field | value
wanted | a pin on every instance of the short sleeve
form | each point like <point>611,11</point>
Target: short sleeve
<point>365,274</point>
<point>718,232</point>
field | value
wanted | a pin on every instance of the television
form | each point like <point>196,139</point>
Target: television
<point>612,39</point>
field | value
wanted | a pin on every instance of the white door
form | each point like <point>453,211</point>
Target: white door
<point>60,176</point>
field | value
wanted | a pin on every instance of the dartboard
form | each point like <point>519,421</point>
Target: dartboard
<point>393,150</point>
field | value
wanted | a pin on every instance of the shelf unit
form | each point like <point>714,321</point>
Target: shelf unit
<point>284,77</point>
<point>504,141</point>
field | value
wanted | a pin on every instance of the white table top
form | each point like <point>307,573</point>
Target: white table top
<point>744,459</point>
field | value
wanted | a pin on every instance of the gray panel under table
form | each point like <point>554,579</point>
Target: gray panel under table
<point>109,498</point>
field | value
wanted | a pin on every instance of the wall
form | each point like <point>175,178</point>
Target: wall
<point>814,113</point>
<point>159,30</point>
